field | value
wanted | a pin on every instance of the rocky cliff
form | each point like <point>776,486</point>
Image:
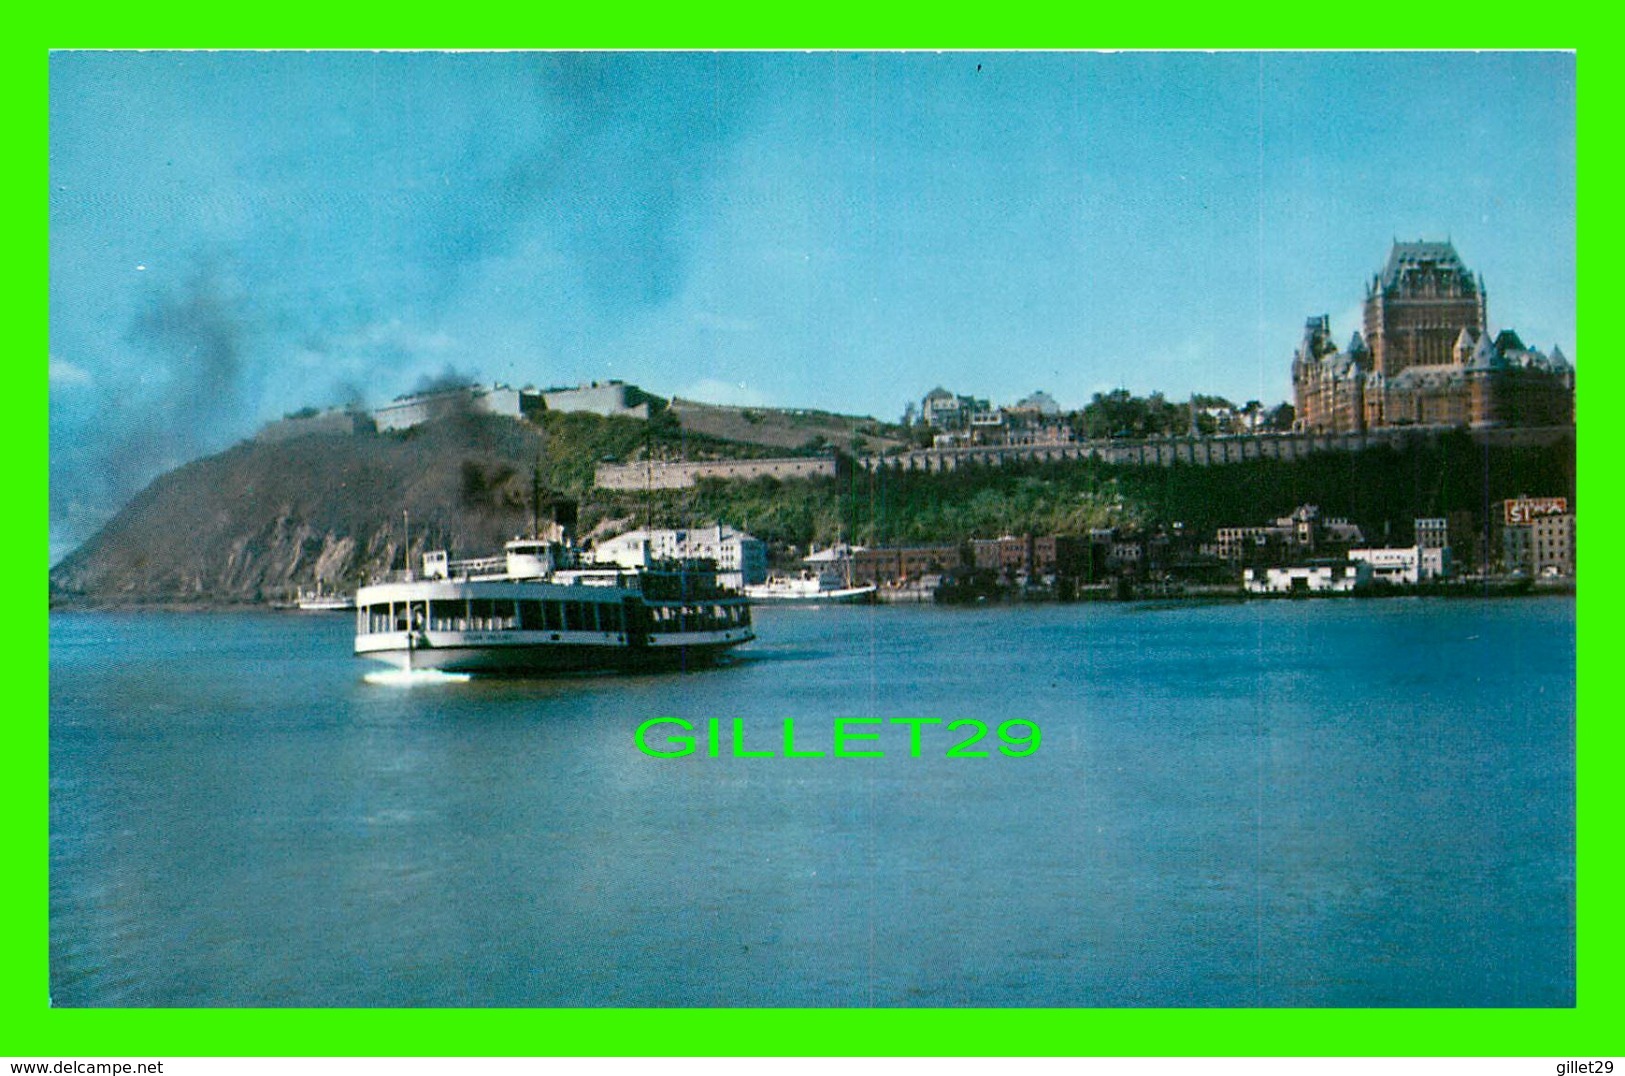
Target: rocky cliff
<point>260,521</point>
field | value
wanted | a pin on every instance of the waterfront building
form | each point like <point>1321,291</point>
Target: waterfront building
<point>740,558</point>
<point>1552,546</point>
<point>1301,531</point>
<point>1426,357</point>
<point>1009,556</point>
<point>1328,576</point>
<point>1405,565</point>
<point>900,564</point>
<point>1537,536</point>
<point>1433,533</point>
<point>1125,556</point>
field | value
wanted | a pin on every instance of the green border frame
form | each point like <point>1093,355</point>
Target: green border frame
<point>34,1029</point>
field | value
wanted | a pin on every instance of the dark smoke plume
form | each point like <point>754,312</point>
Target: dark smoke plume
<point>606,157</point>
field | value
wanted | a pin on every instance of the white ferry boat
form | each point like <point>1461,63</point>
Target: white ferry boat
<point>808,587</point>
<point>533,611</point>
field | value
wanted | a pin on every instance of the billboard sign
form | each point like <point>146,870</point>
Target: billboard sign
<point>1527,509</point>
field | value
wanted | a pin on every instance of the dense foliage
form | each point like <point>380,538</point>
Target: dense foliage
<point>1382,489</point>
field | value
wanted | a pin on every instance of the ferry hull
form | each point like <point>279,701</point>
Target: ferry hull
<point>546,657</point>
<point>843,596</point>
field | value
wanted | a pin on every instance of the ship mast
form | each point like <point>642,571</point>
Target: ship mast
<point>536,499</point>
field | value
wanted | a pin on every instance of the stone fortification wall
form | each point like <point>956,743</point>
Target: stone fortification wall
<point>1200,451</point>
<point>658,474</point>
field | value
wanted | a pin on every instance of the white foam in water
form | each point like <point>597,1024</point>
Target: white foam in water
<point>415,677</point>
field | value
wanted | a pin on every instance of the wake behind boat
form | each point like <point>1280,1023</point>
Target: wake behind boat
<point>533,611</point>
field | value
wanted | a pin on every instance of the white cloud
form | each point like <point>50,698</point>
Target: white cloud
<point>65,374</point>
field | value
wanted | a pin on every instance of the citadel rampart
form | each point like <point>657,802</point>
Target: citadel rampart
<point>659,474</point>
<point>1201,451</point>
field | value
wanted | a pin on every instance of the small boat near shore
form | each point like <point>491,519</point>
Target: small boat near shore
<point>808,588</point>
<point>314,601</point>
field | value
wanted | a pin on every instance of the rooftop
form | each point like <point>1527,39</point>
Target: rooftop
<point>1422,255</point>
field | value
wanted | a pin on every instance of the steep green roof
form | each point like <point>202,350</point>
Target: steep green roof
<point>1405,257</point>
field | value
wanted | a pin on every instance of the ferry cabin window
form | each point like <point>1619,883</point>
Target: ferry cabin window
<point>609,618</point>
<point>554,615</point>
<point>448,614</point>
<point>379,618</point>
<point>574,619</point>
<point>530,615</point>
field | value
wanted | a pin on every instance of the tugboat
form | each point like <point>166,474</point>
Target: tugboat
<point>533,611</point>
<point>809,587</point>
<point>828,580</point>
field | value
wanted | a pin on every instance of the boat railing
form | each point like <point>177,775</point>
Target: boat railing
<point>463,569</point>
<point>482,567</point>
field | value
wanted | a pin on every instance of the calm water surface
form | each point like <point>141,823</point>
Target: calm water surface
<point>1277,803</point>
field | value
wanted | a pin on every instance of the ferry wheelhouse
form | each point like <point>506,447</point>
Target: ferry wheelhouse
<point>534,611</point>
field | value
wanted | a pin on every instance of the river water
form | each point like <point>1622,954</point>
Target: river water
<point>1318,803</point>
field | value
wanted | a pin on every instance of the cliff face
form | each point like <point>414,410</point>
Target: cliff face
<point>260,521</point>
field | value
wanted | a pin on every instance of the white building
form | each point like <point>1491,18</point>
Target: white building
<point>608,398</point>
<point>416,409</point>
<point>1329,577</point>
<point>1407,565</point>
<point>741,559</point>
<point>838,553</point>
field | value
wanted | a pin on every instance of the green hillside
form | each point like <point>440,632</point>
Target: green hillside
<point>263,519</point>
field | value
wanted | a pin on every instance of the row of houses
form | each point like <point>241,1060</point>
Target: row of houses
<point>1531,537</point>
<point>967,420</point>
<point>1300,551</point>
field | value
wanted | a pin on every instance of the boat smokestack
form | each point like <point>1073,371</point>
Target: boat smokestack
<point>565,512</point>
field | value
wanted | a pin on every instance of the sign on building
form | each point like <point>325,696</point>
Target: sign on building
<point>1526,510</point>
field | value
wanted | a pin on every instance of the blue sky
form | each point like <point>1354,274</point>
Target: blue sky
<point>236,235</point>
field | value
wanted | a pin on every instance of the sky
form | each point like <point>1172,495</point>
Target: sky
<point>238,235</point>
